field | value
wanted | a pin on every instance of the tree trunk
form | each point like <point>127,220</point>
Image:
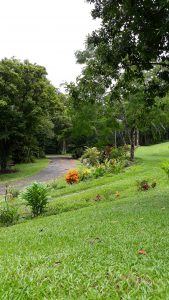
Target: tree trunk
<point>132,143</point>
<point>137,138</point>
<point>115,138</point>
<point>64,147</point>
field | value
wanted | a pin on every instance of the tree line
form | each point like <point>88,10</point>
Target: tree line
<point>125,77</point>
<point>120,97</point>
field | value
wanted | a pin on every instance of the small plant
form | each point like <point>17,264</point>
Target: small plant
<point>114,166</point>
<point>8,215</point>
<point>98,198</point>
<point>144,185</point>
<point>85,174</point>
<point>36,197</point>
<point>91,157</point>
<point>99,171</point>
<point>119,153</point>
<point>165,167</point>
<point>53,184</point>
<point>72,176</point>
<point>14,192</point>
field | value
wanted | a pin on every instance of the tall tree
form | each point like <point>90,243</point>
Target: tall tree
<point>26,100</point>
<point>132,33</point>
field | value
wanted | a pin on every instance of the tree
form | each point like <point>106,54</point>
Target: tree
<point>132,33</point>
<point>27,100</point>
<point>132,39</point>
<point>61,119</point>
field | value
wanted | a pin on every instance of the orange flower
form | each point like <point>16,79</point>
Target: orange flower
<point>72,176</point>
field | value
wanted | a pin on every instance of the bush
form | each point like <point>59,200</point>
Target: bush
<point>85,174</point>
<point>113,166</point>
<point>144,185</point>
<point>119,153</point>
<point>105,154</point>
<point>91,157</point>
<point>36,197</point>
<point>99,171</point>
<point>8,215</point>
<point>14,192</point>
<point>72,176</point>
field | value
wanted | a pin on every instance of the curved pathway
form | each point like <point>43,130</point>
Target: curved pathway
<point>57,167</point>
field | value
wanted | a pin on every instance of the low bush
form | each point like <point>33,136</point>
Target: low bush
<point>8,215</point>
<point>144,185</point>
<point>85,174</point>
<point>91,157</point>
<point>99,171</point>
<point>119,153</point>
<point>36,197</point>
<point>72,176</point>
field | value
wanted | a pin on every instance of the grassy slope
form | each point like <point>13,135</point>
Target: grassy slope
<point>92,253</point>
<point>25,170</point>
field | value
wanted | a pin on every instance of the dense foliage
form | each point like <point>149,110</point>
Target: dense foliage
<point>30,107</point>
<point>126,74</point>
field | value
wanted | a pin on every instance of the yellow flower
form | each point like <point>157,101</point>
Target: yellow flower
<point>87,172</point>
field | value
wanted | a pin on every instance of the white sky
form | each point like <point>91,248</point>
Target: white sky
<point>47,33</point>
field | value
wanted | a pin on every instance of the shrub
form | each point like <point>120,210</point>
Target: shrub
<point>119,153</point>
<point>85,174</point>
<point>8,215</point>
<point>14,192</point>
<point>165,167</point>
<point>91,156</point>
<point>72,176</point>
<point>99,171</point>
<point>113,166</point>
<point>144,185</point>
<point>36,197</point>
<point>105,154</point>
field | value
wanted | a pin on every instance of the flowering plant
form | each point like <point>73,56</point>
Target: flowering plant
<point>85,174</point>
<point>72,176</point>
<point>144,185</point>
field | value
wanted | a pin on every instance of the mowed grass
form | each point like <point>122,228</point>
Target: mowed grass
<point>25,170</point>
<point>89,249</point>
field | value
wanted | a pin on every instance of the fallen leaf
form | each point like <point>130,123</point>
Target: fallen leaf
<point>142,252</point>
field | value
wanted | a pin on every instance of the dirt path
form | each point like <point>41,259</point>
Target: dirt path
<point>57,167</point>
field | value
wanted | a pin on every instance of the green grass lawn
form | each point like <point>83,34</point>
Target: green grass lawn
<point>89,249</point>
<point>25,170</point>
